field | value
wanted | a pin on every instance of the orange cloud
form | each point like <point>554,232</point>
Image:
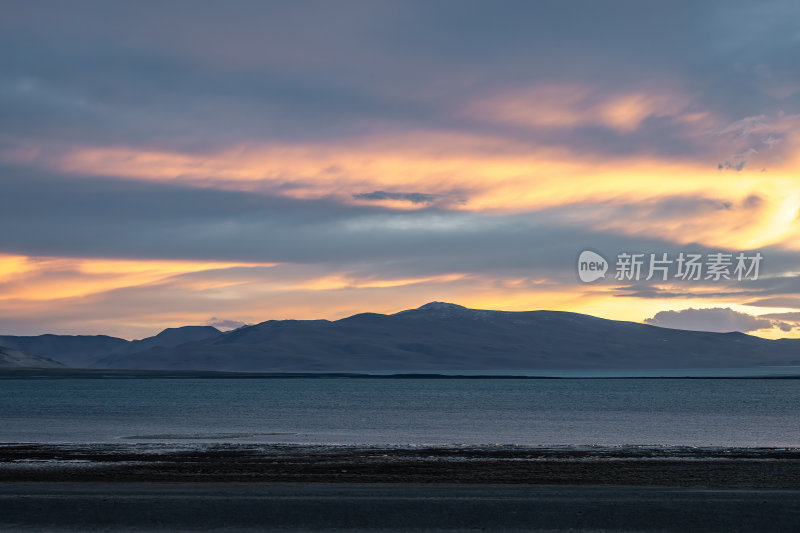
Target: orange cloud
<point>75,295</point>
<point>48,278</point>
<point>497,173</point>
<point>507,178</point>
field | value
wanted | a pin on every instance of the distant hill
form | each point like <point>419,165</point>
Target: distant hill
<point>82,351</point>
<point>72,350</point>
<point>11,358</point>
<point>441,336</point>
<point>172,337</point>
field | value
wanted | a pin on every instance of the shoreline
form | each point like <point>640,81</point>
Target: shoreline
<point>766,372</point>
<point>678,466</point>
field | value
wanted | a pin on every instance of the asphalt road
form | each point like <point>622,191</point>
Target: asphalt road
<point>397,507</point>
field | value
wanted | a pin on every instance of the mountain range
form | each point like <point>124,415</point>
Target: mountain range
<point>435,337</point>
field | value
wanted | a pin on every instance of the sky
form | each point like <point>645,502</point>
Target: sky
<point>225,163</point>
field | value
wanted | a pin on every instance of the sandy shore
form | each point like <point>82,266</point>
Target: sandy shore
<point>182,462</point>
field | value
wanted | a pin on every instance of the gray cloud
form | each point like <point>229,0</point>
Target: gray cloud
<point>52,215</point>
<point>737,163</point>
<point>793,316</point>
<point>717,319</point>
<point>756,137</point>
<point>107,73</point>
<point>96,217</point>
<point>776,301</point>
<point>665,207</point>
<point>767,291</point>
<point>413,197</point>
<point>643,290</point>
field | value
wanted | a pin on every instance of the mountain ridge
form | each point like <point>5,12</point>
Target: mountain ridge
<point>79,351</point>
<point>443,336</point>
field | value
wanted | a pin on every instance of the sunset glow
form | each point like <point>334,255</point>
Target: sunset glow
<point>320,180</point>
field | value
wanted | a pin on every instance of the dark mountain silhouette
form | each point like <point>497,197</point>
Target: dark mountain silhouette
<point>171,337</point>
<point>82,351</point>
<point>435,337</point>
<point>11,358</point>
<point>441,336</point>
<point>72,350</point>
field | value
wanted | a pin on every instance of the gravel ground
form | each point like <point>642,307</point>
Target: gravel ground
<point>181,462</point>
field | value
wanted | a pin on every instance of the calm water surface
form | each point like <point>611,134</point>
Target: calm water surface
<point>609,412</point>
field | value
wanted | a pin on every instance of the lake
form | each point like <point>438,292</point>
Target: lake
<point>606,412</point>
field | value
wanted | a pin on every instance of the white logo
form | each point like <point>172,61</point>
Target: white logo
<point>632,266</point>
<point>591,266</point>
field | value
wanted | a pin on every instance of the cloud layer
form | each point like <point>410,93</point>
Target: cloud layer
<point>165,163</point>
